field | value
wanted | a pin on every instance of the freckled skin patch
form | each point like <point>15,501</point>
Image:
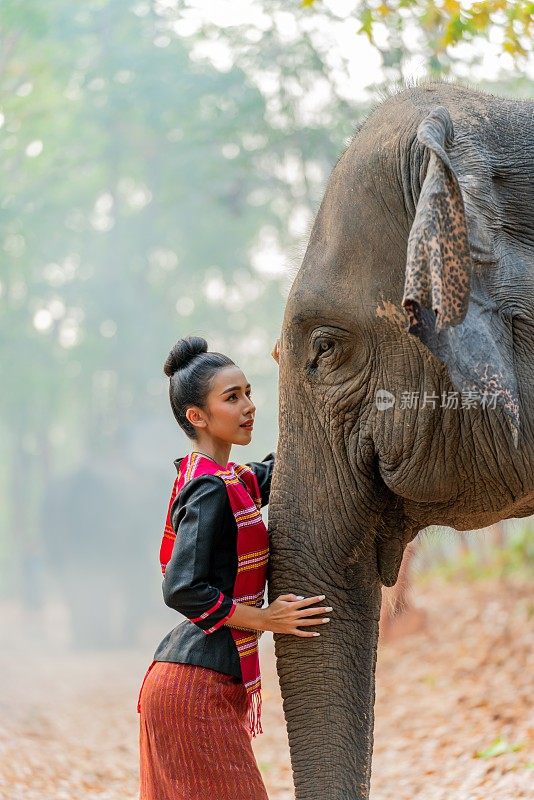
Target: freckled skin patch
<point>494,384</point>
<point>392,313</point>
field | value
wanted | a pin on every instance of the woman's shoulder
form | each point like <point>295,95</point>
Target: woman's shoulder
<point>201,487</point>
<point>204,496</point>
<point>202,483</point>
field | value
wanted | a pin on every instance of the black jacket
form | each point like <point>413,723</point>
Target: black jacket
<point>204,564</point>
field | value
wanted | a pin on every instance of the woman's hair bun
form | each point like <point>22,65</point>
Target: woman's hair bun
<point>183,352</point>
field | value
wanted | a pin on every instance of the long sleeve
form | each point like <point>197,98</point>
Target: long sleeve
<point>195,517</point>
<point>263,471</point>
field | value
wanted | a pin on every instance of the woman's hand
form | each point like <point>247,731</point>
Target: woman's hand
<point>276,351</point>
<point>289,612</point>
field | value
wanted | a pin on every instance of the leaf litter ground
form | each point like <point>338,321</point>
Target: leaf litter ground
<point>453,709</point>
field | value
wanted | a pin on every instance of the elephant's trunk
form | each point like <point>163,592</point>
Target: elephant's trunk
<point>327,682</point>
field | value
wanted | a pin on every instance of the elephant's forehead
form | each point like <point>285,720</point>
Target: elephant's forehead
<point>357,248</point>
<point>344,295</point>
<point>312,308</point>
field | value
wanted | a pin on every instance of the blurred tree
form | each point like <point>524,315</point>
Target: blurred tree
<point>441,25</point>
<point>162,170</point>
<point>149,194</point>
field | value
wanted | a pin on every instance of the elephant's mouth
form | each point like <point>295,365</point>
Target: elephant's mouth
<point>393,533</point>
<point>389,554</point>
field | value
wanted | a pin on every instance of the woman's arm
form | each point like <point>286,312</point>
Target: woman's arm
<point>263,471</point>
<point>286,614</point>
<point>195,518</point>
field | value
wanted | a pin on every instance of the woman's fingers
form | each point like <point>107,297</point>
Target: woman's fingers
<point>307,615</point>
<point>307,601</point>
<point>309,612</point>
<point>300,601</point>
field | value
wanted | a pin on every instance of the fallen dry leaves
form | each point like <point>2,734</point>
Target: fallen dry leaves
<point>452,710</point>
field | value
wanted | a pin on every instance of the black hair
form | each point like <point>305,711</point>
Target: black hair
<point>191,368</point>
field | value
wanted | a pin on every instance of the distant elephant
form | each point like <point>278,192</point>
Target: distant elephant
<point>406,390</point>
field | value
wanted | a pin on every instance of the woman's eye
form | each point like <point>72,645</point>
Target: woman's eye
<point>233,395</point>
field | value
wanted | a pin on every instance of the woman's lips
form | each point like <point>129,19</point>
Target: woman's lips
<point>248,425</point>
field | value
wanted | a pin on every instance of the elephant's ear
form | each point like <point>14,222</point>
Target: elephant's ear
<point>449,307</point>
<point>438,264</point>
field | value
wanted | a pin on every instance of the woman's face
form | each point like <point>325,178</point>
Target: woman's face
<point>229,411</point>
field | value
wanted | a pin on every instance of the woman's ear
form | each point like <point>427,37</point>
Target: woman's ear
<point>195,417</point>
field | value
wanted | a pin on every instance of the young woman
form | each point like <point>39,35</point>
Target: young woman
<point>200,700</point>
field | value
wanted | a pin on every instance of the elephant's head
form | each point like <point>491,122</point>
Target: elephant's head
<point>398,297</point>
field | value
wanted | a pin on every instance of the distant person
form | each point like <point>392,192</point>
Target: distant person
<point>200,701</point>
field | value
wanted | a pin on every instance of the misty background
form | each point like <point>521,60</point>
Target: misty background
<point>162,166</point>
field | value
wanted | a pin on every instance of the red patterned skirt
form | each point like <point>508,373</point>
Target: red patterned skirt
<point>193,739</point>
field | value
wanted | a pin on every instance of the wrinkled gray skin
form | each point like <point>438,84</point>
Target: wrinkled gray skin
<point>392,296</point>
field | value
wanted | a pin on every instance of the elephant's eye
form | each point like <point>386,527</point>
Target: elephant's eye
<point>329,345</point>
<point>323,344</point>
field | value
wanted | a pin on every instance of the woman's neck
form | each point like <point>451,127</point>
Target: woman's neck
<point>218,452</point>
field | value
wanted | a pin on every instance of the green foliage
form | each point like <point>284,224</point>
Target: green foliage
<point>514,558</point>
<point>498,747</point>
<point>447,23</point>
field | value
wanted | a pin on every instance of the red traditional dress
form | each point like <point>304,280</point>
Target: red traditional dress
<point>189,711</point>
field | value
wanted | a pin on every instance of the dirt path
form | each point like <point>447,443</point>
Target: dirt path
<point>68,725</point>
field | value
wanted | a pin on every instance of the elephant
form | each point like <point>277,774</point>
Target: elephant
<point>406,389</point>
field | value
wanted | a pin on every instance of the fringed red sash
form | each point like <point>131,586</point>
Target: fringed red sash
<point>252,557</point>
